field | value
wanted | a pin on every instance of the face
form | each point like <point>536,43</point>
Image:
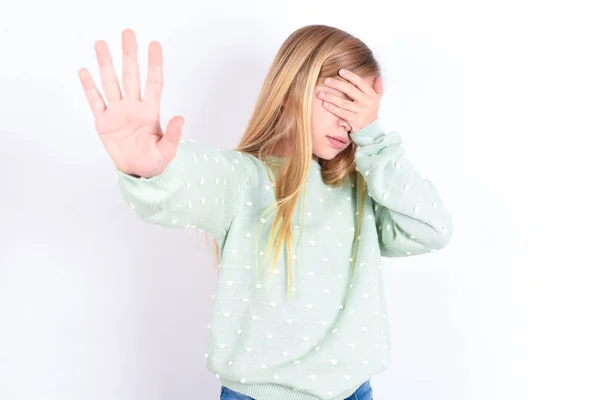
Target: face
<point>324,124</point>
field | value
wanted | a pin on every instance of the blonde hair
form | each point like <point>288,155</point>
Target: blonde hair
<point>308,56</point>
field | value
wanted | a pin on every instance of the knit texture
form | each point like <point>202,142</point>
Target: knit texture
<point>332,335</point>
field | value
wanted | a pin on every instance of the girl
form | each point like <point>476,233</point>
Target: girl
<point>315,171</point>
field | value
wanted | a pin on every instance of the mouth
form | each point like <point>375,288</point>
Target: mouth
<point>337,139</point>
<point>338,144</point>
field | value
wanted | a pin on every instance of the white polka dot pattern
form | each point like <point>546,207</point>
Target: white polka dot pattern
<point>200,189</point>
<point>409,213</point>
<point>333,334</point>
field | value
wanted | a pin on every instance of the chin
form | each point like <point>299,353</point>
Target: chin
<point>330,155</point>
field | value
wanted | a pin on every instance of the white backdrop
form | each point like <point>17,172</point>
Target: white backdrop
<point>498,104</point>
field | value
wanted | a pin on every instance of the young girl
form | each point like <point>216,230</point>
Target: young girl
<point>314,171</point>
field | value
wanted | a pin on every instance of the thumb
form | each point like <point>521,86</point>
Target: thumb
<point>168,144</point>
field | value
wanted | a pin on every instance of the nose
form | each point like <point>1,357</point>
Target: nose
<point>346,125</point>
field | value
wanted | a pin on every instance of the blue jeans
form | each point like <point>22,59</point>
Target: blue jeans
<point>364,392</point>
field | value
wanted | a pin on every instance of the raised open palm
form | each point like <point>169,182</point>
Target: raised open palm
<point>129,126</point>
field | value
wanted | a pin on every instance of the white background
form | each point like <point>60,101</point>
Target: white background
<point>497,102</point>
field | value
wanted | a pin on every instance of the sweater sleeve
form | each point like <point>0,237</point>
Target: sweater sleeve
<point>410,216</point>
<point>200,188</point>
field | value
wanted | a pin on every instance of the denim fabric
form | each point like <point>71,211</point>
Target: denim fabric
<point>364,392</point>
<point>228,394</point>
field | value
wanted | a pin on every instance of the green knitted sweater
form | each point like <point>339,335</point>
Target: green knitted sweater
<point>332,334</point>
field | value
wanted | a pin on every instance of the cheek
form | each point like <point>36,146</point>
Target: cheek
<point>319,115</point>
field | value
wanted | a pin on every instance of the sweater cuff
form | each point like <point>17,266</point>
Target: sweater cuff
<point>368,134</point>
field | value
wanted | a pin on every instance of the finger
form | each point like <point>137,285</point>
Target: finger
<point>340,112</point>
<point>154,83</point>
<point>131,69</point>
<point>348,88</point>
<point>167,145</point>
<point>92,94</point>
<point>339,101</point>
<point>325,88</point>
<point>108,77</point>
<point>358,81</point>
<point>331,111</point>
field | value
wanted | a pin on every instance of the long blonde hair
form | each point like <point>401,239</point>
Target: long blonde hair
<point>306,58</point>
